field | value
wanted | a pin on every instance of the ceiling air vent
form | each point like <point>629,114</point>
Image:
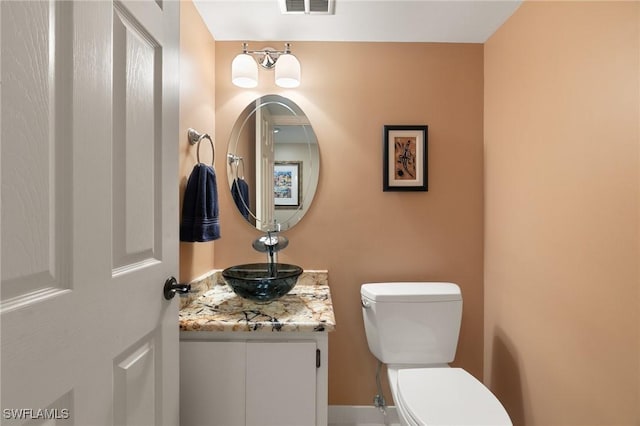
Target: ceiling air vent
<point>313,7</point>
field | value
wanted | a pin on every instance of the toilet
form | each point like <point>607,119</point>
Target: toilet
<point>413,328</point>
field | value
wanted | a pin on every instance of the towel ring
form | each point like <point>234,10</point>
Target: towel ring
<point>196,138</point>
<point>239,161</point>
<point>236,160</point>
<point>213,150</point>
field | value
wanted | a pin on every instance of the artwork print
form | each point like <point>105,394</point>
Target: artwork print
<point>405,158</point>
<point>282,183</point>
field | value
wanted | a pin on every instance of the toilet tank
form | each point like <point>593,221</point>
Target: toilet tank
<point>412,322</point>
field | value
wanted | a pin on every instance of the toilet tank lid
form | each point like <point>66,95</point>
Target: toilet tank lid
<point>411,292</point>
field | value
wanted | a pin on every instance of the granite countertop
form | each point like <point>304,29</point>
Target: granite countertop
<point>213,306</point>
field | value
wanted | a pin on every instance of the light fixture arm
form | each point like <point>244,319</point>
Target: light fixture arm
<point>267,57</point>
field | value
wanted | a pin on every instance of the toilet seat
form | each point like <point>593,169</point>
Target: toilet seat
<point>447,397</point>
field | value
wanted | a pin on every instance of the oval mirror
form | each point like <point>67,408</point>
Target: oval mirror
<point>273,163</point>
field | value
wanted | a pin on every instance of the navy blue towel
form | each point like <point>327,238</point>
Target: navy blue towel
<point>200,206</point>
<point>240,194</point>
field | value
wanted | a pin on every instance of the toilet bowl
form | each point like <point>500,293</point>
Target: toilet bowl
<point>413,328</point>
<point>444,396</point>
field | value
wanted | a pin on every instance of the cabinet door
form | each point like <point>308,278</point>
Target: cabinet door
<point>281,384</point>
<point>212,383</point>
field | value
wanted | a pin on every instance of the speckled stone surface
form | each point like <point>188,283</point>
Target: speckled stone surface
<point>213,306</point>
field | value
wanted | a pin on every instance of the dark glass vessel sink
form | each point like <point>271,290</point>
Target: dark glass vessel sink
<point>262,282</point>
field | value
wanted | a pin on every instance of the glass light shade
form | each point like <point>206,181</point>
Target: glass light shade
<point>288,71</point>
<point>244,71</point>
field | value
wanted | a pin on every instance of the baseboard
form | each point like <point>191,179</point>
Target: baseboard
<point>361,415</point>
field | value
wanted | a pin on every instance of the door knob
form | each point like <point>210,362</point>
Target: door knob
<point>171,287</point>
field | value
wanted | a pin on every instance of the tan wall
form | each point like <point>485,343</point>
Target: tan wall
<point>562,216</point>
<point>354,229</point>
<point>197,110</point>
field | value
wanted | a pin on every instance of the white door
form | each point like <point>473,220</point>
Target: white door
<point>265,156</point>
<point>89,113</point>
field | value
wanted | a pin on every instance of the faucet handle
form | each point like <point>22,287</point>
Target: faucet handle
<point>270,243</point>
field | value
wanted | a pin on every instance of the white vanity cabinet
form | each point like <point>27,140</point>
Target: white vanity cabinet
<point>253,379</point>
<point>248,364</point>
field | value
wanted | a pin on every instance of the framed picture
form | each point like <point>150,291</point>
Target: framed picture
<point>287,184</point>
<point>405,158</point>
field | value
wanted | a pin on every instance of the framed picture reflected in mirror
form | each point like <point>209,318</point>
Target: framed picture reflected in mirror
<point>287,184</point>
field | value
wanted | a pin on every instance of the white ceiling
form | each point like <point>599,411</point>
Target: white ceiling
<point>455,21</point>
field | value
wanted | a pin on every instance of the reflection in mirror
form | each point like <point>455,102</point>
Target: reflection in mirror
<point>273,163</point>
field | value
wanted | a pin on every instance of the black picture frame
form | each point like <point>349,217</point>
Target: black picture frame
<point>287,184</point>
<point>405,166</point>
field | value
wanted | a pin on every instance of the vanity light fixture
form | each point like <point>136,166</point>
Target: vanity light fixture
<point>244,68</point>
